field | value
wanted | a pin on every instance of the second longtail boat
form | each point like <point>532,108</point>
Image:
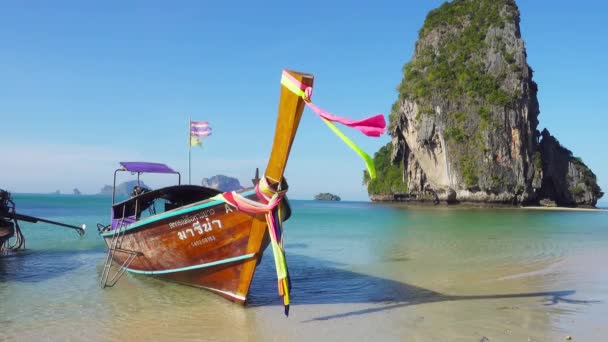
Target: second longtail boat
<point>11,237</point>
<point>210,239</point>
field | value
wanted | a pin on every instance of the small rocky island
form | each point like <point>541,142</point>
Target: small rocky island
<point>464,127</point>
<point>219,182</point>
<point>222,183</point>
<point>122,189</point>
<point>326,196</point>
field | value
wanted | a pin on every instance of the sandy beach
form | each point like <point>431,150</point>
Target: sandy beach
<point>360,271</point>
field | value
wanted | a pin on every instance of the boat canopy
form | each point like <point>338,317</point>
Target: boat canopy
<point>175,196</point>
<point>139,168</point>
<point>147,167</point>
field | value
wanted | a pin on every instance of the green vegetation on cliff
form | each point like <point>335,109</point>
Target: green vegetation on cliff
<point>389,177</point>
<point>450,68</point>
<point>453,68</point>
<point>589,179</point>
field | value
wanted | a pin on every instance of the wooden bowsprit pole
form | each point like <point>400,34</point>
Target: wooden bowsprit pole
<point>189,149</point>
<point>291,107</point>
<point>80,230</point>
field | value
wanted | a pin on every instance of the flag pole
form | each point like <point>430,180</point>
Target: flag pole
<point>189,149</point>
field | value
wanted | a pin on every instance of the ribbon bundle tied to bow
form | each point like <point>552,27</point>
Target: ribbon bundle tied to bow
<point>269,205</point>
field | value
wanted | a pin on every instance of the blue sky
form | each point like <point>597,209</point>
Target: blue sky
<point>84,85</point>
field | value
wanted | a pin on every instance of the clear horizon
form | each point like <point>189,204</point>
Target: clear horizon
<point>87,85</point>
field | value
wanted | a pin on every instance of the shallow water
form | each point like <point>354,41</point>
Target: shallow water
<point>360,271</point>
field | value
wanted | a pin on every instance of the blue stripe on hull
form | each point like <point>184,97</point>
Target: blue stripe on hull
<point>171,214</point>
<point>195,267</point>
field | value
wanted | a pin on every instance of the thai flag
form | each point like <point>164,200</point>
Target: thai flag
<point>200,129</point>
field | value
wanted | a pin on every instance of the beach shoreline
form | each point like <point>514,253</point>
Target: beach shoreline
<point>477,205</point>
<point>564,209</point>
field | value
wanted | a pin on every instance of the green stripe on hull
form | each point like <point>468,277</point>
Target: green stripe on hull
<point>195,267</point>
<point>171,214</point>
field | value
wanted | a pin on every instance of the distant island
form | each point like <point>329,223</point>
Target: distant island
<point>222,183</point>
<point>122,189</point>
<point>76,191</point>
<point>326,196</point>
<point>465,125</point>
<point>218,182</point>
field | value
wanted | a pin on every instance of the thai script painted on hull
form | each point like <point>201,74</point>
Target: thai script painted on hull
<point>189,219</point>
<point>199,229</point>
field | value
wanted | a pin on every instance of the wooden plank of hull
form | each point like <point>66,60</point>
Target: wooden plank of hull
<point>258,241</point>
<point>220,254</point>
<point>6,231</point>
<point>222,279</point>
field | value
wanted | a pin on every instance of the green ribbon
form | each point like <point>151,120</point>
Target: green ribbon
<point>369,162</point>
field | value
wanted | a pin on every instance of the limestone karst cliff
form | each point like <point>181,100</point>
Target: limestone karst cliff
<point>464,126</point>
<point>566,179</point>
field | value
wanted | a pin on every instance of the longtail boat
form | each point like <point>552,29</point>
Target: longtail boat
<point>11,237</point>
<point>199,236</point>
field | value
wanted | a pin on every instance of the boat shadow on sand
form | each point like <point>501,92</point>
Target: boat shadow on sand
<point>318,281</point>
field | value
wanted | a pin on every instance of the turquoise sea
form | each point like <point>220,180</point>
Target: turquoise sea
<point>360,271</point>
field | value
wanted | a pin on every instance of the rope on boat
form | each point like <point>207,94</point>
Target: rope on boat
<point>19,238</point>
<point>269,205</point>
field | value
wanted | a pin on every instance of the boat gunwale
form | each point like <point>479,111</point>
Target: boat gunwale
<point>174,212</point>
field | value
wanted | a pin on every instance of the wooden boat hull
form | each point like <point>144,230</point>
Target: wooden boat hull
<point>7,230</point>
<point>207,244</point>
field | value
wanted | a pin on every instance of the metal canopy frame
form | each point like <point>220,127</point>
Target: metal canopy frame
<point>142,167</point>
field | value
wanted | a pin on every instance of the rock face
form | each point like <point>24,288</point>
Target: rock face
<point>222,183</point>
<point>465,123</point>
<point>106,190</point>
<point>567,181</point>
<point>326,196</point>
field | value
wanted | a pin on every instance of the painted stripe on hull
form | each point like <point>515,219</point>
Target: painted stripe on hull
<point>171,214</point>
<point>195,267</point>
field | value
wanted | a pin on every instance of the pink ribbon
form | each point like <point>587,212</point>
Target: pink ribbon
<point>373,126</point>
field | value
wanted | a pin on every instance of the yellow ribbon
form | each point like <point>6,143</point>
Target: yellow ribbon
<point>369,162</point>
<point>292,87</point>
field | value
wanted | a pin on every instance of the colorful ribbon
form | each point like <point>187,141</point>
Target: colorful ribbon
<point>268,205</point>
<point>373,126</point>
<point>269,200</point>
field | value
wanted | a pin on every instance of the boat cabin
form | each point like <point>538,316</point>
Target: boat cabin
<point>145,202</point>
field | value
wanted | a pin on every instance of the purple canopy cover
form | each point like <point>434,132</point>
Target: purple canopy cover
<point>146,167</point>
